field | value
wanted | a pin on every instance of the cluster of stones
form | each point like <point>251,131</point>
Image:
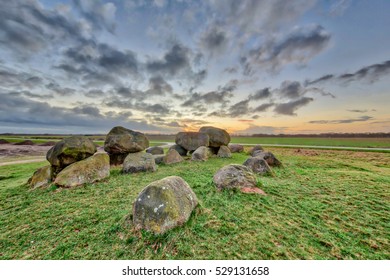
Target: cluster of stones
<point>201,145</point>
<point>73,162</point>
<point>166,203</point>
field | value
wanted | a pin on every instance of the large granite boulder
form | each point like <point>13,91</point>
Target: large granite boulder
<point>217,136</point>
<point>155,150</point>
<point>201,154</point>
<point>258,165</point>
<point>163,205</point>
<point>89,170</point>
<point>183,152</point>
<point>236,176</point>
<point>224,152</point>
<point>236,148</point>
<point>192,140</point>
<point>41,178</point>
<point>255,150</point>
<point>68,151</point>
<point>139,162</point>
<point>172,157</point>
<point>121,141</point>
<point>269,158</point>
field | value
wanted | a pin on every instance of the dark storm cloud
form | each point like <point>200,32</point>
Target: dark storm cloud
<point>360,119</point>
<point>239,109</point>
<point>63,91</point>
<point>369,74</point>
<point>14,79</point>
<point>176,63</point>
<point>38,114</point>
<point>261,94</point>
<point>27,93</point>
<point>159,109</point>
<point>291,89</point>
<point>263,107</point>
<point>298,47</point>
<point>158,86</point>
<point>220,96</point>
<point>214,40</point>
<point>27,27</point>
<point>289,108</point>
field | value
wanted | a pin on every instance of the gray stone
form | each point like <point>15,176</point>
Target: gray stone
<point>121,140</point>
<point>269,158</point>
<point>163,205</point>
<point>192,140</point>
<point>155,150</point>
<point>41,178</point>
<point>172,157</point>
<point>89,170</point>
<point>68,151</point>
<point>258,165</point>
<point>183,152</point>
<point>158,159</point>
<point>255,150</point>
<point>217,136</point>
<point>224,152</point>
<point>236,148</point>
<point>201,154</point>
<point>139,162</point>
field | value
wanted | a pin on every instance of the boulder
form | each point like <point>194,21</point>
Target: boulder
<point>224,152</point>
<point>163,205</point>
<point>172,157</point>
<point>155,150</point>
<point>258,165</point>
<point>183,152</point>
<point>217,136</point>
<point>121,140</point>
<point>139,162</point>
<point>68,151</point>
<point>236,148</point>
<point>41,178</point>
<point>201,154</point>
<point>269,158</point>
<point>255,150</point>
<point>192,140</point>
<point>158,158</point>
<point>236,176</point>
<point>86,171</point>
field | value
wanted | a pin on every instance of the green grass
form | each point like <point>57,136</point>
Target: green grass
<point>339,142</point>
<point>321,205</point>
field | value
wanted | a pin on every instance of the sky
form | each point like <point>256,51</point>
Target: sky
<point>164,66</point>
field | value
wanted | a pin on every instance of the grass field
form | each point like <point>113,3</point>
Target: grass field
<point>321,205</point>
<point>309,141</point>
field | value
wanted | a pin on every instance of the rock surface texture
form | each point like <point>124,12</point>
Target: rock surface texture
<point>256,149</point>
<point>192,140</point>
<point>155,150</point>
<point>236,176</point>
<point>183,152</point>
<point>139,162</point>
<point>236,148</point>
<point>269,158</point>
<point>89,170</point>
<point>41,178</point>
<point>258,165</point>
<point>217,136</point>
<point>68,151</point>
<point>224,152</point>
<point>163,205</point>
<point>172,157</point>
<point>201,154</point>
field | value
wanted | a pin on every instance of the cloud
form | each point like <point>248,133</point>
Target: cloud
<point>298,47</point>
<point>100,15</point>
<point>214,40</point>
<point>360,119</point>
<point>158,86</point>
<point>42,115</point>
<point>263,107</point>
<point>256,129</point>
<point>370,74</point>
<point>239,109</point>
<point>27,27</point>
<point>289,108</point>
<point>261,94</point>
<point>63,91</point>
